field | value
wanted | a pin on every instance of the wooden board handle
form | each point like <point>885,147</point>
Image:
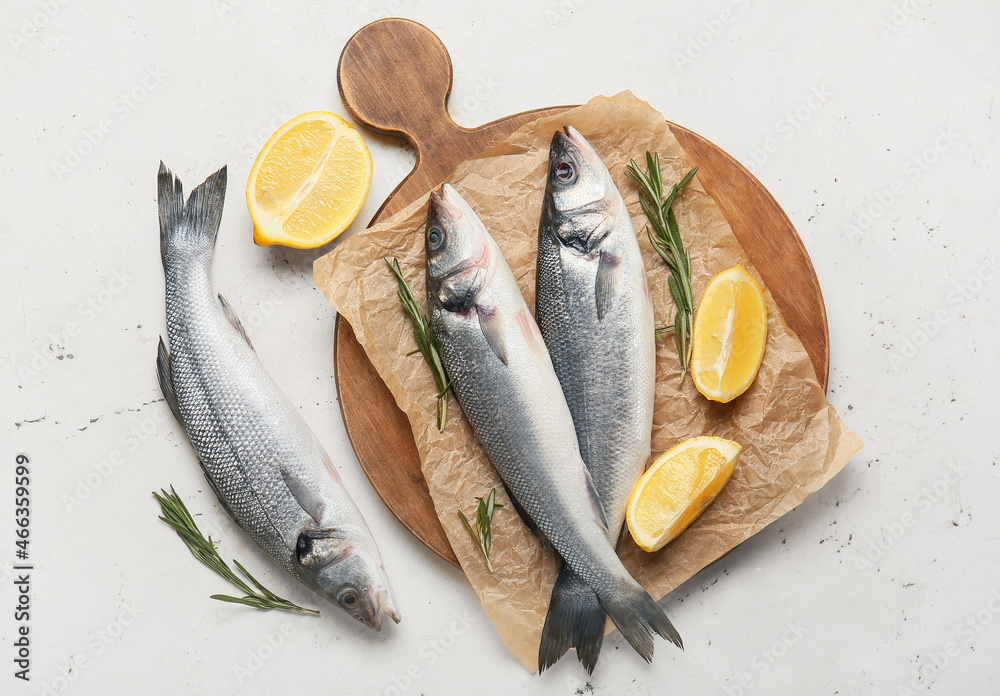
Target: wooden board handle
<point>395,76</point>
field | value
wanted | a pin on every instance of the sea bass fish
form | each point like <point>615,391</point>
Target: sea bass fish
<point>503,379</point>
<point>266,466</point>
<point>593,308</point>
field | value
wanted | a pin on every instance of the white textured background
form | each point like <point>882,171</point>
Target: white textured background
<point>887,581</point>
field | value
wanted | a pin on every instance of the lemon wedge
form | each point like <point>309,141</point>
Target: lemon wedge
<point>677,488</point>
<point>309,181</point>
<point>730,332</point>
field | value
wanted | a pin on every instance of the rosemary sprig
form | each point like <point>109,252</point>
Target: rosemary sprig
<point>484,519</point>
<point>176,514</point>
<point>426,345</point>
<point>666,240</point>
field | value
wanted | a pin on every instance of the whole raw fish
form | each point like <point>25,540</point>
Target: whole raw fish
<point>503,378</point>
<point>593,308</point>
<point>258,454</point>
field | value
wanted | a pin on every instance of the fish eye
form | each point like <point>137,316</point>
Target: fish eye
<point>348,599</point>
<point>435,237</point>
<point>565,172</point>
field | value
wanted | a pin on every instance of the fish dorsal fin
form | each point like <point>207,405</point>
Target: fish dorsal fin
<point>595,499</point>
<point>609,276</point>
<point>307,499</point>
<point>233,319</point>
<point>492,325</point>
<point>166,381</point>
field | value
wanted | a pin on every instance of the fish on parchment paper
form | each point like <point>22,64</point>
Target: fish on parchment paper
<point>504,381</point>
<point>593,308</point>
<point>266,466</point>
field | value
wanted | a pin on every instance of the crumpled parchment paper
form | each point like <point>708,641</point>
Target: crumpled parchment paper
<point>793,440</point>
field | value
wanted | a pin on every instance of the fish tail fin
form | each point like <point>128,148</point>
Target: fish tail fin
<point>575,619</point>
<point>189,228</point>
<point>638,616</point>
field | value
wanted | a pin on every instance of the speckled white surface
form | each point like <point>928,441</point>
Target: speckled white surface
<point>872,123</point>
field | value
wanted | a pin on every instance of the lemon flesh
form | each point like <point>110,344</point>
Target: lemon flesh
<point>677,488</point>
<point>730,333</point>
<point>309,181</point>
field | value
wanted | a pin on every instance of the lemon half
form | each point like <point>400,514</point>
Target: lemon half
<point>309,181</point>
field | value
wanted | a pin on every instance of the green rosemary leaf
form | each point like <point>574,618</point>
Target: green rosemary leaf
<point>664,235</point>
<point>176,515</point>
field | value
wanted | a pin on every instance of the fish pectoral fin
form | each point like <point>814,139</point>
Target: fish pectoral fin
<point>492,326</point>
<point>523,514</point>
<point>234,319</point>
<point>609,277</point>
<point>307,498</point>
<point>595,499</point>
<point>166,383</point>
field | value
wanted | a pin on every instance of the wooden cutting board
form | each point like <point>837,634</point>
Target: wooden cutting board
<point>395,76</point>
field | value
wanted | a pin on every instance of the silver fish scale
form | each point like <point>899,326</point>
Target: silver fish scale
<point>607,367</point>
<point>240,424</point>
<point>523,423</point>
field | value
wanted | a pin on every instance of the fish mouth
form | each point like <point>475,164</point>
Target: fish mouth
<point>382,605</point>
<point>448,205</point>
<point>569,138</point>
